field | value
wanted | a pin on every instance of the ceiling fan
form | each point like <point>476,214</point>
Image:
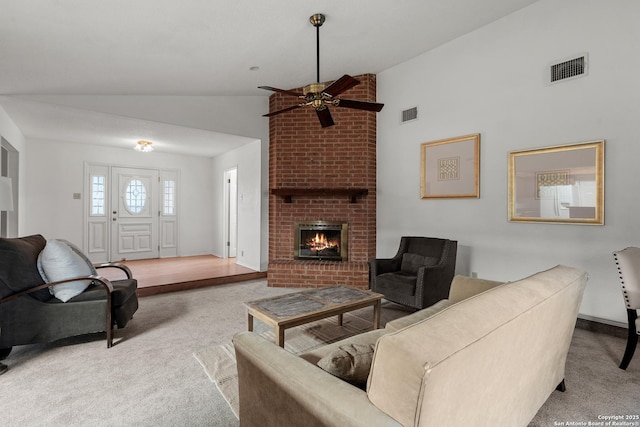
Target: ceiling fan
<point>320,97</point>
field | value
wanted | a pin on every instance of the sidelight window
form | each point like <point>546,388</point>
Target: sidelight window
<point>169,197</point>
<point>97,195</point>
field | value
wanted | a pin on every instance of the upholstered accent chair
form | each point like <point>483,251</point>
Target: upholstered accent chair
<point>628,263</point>
<point>420,273</point>
<point>74,300</point>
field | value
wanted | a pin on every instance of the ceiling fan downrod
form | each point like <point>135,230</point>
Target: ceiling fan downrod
<point>317,20</point>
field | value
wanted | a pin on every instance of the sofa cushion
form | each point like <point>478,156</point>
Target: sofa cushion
<point>18,271</point>
<point>59,261</point>
<point>350,362</point>
<point>403,322</point>
<point>463,287</point>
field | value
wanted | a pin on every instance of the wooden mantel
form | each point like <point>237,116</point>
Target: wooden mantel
<point>288,193</point>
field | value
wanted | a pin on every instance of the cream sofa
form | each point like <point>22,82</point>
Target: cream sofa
<point>491,359</point>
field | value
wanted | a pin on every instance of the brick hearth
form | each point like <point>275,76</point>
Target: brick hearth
<point>304,156</point>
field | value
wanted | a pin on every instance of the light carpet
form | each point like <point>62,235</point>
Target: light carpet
<point>148,378</point>
<point>219,362</point>
<point>596,388</point>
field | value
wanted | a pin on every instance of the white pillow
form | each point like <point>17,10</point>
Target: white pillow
<point>58,261</point>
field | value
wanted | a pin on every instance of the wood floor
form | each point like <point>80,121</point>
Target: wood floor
<point>161,275</point>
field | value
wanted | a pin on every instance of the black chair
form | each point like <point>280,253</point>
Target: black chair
<point>30,314</point>
<point>419,275</point>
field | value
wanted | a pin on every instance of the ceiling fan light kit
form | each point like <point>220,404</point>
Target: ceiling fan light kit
<point>318,95</point>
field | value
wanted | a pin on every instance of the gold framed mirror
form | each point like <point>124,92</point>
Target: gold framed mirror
<point>560,184</point>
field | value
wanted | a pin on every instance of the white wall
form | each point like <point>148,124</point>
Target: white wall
<point>54,171</point>
<point>493,82</point>
<point>252,205</point>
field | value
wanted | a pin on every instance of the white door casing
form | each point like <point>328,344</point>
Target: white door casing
<point>97,188</point>
<point>114,230</point>
<point>231,212</point>
<point>168,214</point>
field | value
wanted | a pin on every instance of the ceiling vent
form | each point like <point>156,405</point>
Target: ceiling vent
<point>409,114</point>
<point>571,68</point>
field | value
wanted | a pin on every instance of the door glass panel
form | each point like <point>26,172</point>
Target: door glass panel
<point>97,195</point>
<point>135,196</point>
<point>168,196</point>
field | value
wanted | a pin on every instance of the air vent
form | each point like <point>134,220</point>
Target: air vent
<point>409,114</point>
<point>575,67</point>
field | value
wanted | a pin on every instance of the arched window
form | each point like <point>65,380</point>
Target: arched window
<point>135,196</point>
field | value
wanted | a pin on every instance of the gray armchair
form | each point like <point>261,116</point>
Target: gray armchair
<point>419,275</point>
<point>628,263</point>
<point>30,314</point>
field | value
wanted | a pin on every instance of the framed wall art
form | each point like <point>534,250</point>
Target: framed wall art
<point>561,184</point>
<point>450,168</point>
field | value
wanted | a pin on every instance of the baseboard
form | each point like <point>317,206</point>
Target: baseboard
<point>603,326</point>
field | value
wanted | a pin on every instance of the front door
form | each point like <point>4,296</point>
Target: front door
<point>134,214</point>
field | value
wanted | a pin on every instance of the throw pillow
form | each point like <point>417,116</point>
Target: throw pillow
<point>58,261</point>
<point>412,262</point>
<point>350,362</point>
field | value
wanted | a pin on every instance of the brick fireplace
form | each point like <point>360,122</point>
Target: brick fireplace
<point>318,174</point>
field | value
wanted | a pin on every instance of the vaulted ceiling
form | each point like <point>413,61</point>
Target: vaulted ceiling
<point>106,72</point>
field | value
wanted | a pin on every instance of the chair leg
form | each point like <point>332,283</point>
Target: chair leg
<point>632,339</point>
<point>109,337</point>
<point>562,386</point>
<point>109,322</point>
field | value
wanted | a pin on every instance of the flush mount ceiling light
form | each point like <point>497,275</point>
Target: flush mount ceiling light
<point>144,146</point>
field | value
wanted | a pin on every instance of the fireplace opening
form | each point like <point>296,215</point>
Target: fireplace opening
<point>320,240</point>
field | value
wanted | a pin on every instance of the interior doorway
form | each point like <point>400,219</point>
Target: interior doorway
<point>231,212</point>
<point>9,165</point>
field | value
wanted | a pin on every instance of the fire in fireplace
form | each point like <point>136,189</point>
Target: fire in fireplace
<point>320,240</point>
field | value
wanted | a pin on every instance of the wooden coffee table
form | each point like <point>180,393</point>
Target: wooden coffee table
<point>298,308</point>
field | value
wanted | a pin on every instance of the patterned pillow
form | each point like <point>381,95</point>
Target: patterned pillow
<point>350,362</point>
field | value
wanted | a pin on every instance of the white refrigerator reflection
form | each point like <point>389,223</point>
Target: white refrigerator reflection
<point>557,201</point>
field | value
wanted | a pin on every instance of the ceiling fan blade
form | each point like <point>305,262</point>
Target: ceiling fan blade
<point>325,117</point>
<point>287,92</point>
<point>284,110</point>
<point>359,105</point>
<point>344,83</point>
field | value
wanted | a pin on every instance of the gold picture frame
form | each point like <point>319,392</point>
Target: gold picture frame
<point>450,168</point>
<point>560,184</point>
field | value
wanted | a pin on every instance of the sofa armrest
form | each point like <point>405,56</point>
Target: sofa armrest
<point>278,388</point>
<point>463,287</point>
